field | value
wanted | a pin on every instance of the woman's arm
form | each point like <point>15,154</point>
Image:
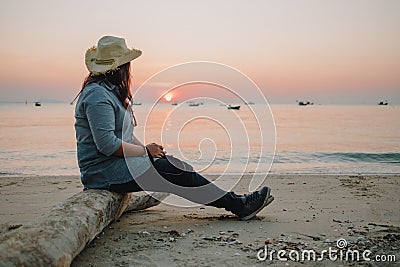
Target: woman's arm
<point>101,118</point>
<point>137,149</point>
<point>130,150</point>
<point>157,151</point>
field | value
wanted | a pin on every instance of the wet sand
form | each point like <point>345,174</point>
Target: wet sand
<point>309,212</point>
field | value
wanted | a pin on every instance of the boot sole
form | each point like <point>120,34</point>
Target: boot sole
<point>268,200</point>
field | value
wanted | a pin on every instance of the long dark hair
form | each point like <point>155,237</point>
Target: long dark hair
<point>120,77</point>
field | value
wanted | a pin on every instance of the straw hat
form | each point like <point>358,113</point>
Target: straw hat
<point>110,53</point>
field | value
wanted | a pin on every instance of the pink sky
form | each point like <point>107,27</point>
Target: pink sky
<point>326,51</point>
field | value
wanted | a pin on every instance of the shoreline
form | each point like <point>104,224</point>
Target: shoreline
<point>18,192</point>
<point>309,211</point>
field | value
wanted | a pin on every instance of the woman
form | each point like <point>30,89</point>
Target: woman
<point>110,156</point>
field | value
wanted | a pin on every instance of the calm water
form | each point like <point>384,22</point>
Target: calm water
<point>311,139</point>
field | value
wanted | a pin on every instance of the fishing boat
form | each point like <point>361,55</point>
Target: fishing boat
<point>193,104</point>
<point>304,103</point>
<point>233,107</point>
<point>38,104</point>
<point>383,103</point>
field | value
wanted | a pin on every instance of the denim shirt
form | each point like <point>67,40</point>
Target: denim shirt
<point>101,123</point>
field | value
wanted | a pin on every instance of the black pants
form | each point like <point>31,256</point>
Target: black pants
<point>179,179</point>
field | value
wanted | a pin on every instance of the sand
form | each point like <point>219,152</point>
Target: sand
<point>309,212</point>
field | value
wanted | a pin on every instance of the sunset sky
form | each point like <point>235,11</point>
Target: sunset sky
<point>337,51</point>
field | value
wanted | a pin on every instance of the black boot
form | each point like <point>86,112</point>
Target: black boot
<point>228,201</point>
<point>247,206</point>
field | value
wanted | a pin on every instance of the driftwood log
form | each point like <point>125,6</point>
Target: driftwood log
<point>64,231</point>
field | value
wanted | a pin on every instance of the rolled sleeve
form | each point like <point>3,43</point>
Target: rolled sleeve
<point>101,118</point>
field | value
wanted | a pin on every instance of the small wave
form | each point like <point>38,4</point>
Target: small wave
<point>5,173</point>
<point>290,157</point>
<point>386,158</point>
<point>338,157</point>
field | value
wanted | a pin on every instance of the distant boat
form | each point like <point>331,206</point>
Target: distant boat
<point>136,103</point>
<point>193,104</point>
<point>301,103</point>
<point>174,103</point>
<point>38,104</point>
<point>304,103</point>
<point>233,107</point>
<point>249,103</point>
<point>383,103</point>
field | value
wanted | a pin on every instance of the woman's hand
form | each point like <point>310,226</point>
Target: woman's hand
<point>156,150</point>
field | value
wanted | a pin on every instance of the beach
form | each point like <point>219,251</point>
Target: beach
<point>309,212</point>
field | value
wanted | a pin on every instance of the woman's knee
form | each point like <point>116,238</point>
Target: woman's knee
<point>165,166</point>
<point>172,165</point>
<point>176,163</point>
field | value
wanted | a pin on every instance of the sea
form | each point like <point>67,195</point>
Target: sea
<point>257,138</point>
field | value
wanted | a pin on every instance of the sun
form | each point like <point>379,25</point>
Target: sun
<point>168,97</point>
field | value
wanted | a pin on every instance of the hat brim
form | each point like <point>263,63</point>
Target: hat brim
<point>95,68</point>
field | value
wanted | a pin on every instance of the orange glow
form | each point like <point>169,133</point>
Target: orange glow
<point>168,97</point>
